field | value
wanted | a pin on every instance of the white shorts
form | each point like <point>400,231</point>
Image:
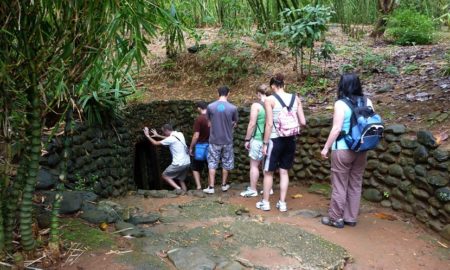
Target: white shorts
<point>255,151</point>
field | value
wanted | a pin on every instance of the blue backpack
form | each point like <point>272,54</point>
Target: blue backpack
<point>366,126</point>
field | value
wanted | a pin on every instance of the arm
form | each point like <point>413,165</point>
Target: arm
<point>235,118</point>
<point>300,114</point>
<point>251,124</point>
<point>147,134</point>
<point>268,105</point>
<point>194,142</point>
<point>338,121</point>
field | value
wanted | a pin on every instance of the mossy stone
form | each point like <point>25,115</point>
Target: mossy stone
<point>394,148</point>
<point>443,194</point>
<point>405,185</point>
<point>391,181</point>
<point>409,172</point>
<point>391,138</point>
<point>420,193</point>
<point>438,179</point>
<point>396,170</point>
<point>372,195</point>
<point>388,158</point>
<point>420,170</point>
<point>440,155</point>
<point>372,164</point>
<point>396,129</point>
<point>386,203</point>
<point>426,138</point>
<point>408,143</point>
<point>421,154</point>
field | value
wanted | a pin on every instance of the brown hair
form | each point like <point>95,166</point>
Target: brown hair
<point>277,80</point>
<point>263,89</point>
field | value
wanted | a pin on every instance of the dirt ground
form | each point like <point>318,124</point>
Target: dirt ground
<point>383,239</point>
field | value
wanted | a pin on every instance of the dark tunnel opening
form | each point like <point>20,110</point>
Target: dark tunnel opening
<point>146,166</point>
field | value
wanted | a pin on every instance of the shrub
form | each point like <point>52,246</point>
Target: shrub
<point>228,61</point>
<point>408,27</point>
<point>446,67</point>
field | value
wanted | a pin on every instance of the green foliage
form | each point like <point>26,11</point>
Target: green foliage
<point>410,68</point>
<point>446,68</point>
<point>393,70</point>
<point>228,61</point>
<point>304,31</point>
<point>310,86</point>
<point>352,13</point>
<point>408,27</point>
<point>85,183</point>
<point>326,52</point>
<point>347,68</point>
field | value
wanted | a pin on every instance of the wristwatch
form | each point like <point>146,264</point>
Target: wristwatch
<point>265,143</point>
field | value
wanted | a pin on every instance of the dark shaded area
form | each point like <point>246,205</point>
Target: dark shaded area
<point>146,166</point>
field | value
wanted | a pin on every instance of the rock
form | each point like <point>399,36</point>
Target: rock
<point>420,154</point>
<point>391,181</point>
<point>388,158</point>
<point>396,204</point>
<point>396,170</point>
<point>394,148</point>
<point>45,180</point>
<point>307,213</point>
<point>53,160</point>
<point>372,164</point>
<point>438,179</point>
<point>440,155</point>
<point>426,138</point>
<point>144,219</point>
<point>129,229</point>
<point>409,172</point>
<point>373,195</point>
<point>230,266</point>
<point>422,215</point>
<point>420,193</point>
<point>391,138</point>
<point>404,185</point>
<point>395,129</point>
<point>407,143</point>
<point>443,194</point>
<point>71,202</point>
<point>386,203</point>
<point>435,225</point>
<point>191,258</point>
<point>420,170</point>
<point>96,216</point>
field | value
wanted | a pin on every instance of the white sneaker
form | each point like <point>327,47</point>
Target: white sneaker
<point>282,206</point>
<point>270,193</point>
<point>209,190</point>
<point>225,187</point>
<point>249,193</point>
<point>263,205</point>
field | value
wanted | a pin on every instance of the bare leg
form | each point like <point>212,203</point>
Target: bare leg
<point>183,185</point>
<point>196,175</point>
<point>254,173</point>
<point>212,177</point>
<point>267,184</point>
<point>284,183</point>
<point>171,182</point>
<point>224,176</point>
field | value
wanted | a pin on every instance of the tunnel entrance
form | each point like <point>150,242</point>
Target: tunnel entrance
<point>146,166</point>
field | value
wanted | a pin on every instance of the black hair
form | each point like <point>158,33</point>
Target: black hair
<point>202,105</point>
<point>349,87</point>
<point>223,91</point>
<point>277,80</point>
<point>167,127</point>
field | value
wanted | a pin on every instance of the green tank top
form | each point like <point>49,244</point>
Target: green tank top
<point>260,124</point>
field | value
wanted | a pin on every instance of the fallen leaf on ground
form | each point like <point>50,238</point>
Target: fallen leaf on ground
<point>297,196</point>
<point>228,235</point>
<point>385,216</point>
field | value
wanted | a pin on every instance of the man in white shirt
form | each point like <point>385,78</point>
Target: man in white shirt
<point>179,167</point>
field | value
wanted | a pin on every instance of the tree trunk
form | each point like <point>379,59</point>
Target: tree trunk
<point>385,7</point>
<point>26,208</point>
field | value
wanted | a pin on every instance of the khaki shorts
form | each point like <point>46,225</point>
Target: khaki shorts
<point>176,171</point>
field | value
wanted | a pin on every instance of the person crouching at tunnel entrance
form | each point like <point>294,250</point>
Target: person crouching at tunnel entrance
<point>181,162</point>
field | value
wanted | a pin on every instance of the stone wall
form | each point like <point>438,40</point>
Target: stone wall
<point>408,171</point>
<point>100,158</point>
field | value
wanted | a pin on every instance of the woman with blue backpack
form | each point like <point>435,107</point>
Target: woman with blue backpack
<point>356,129</point>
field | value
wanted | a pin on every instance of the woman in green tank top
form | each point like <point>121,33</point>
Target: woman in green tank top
<point>254,138</point>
